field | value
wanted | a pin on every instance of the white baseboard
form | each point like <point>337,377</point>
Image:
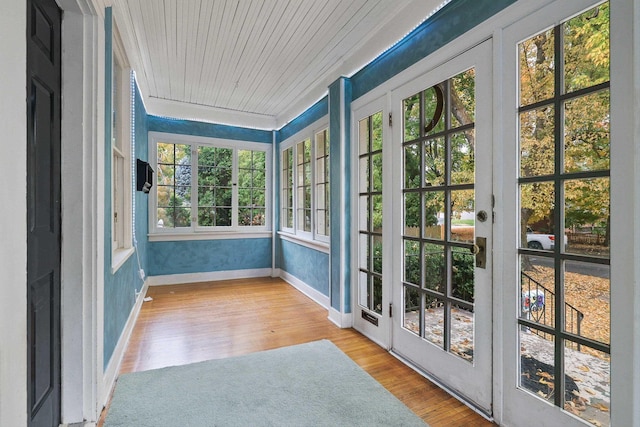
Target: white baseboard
<point>341,320</point>
<point>178,279</point>
<point>312,293</point>
<point>111,373</point>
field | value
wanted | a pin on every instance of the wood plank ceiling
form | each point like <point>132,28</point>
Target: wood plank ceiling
<point>256,63</point>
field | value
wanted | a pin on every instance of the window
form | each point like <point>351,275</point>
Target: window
<point>287,188</point>
<point>322,183</point>
<point>304,184</point>
<point>303,201</point>
<point>206,184</point>
<point>121,143</point>
<point>564,209</point>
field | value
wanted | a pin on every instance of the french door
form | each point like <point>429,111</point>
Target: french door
<point>442,289</point>
<point>557,330</point>
<point>372,224</point>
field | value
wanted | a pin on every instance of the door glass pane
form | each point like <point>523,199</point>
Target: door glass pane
<point>586,67</point>
<point>462,274</point>
<point>434,267</point>
<point>463,157</point>
<point>411,108</point>
<point>412,271</point>
<point>434,155</point>
<point>434,320</point>
<point>462,336</point>
<point>565,215</point>
<point>536,60</point>
<point>370,212</point>
<point>537,142</point>
<point>537,290</point>
<point>587,216</point>
<point>536,216</point>
<point>411,314</point>
<point>434,99</point>
<point>433,225</point>
<point>412,165</point>
<point>537,372</point>
<point>588,383</point>
<point>586,136</point>
<point>462,216</point>
<point>439,212</point>
<point>587,292</point>
<point>463,102</point>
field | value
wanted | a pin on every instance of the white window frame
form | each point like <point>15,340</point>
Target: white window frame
<point>195,231</point>
<point>121,158</point>
<point>311,238</point>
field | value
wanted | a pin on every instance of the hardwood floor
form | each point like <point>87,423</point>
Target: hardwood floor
<point>195,322</point>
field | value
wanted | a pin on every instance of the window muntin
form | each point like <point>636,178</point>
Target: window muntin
<point>227,192</point>
<point>564,206</point>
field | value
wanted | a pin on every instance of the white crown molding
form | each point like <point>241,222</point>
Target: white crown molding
<point>204,113</point>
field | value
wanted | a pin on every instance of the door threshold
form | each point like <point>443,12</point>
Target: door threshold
<point>458,396</point>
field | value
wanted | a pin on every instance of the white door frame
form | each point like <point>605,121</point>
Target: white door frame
<point>82,211</point>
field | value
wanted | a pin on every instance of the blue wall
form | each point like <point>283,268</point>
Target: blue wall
<point>308,265</point>
<point>210,130</point>
<point>310,115</point>
<point>451,21</point>
<point>201,256</point>
<point>120,287</point>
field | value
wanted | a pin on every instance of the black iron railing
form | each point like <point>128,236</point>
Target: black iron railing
<point>538,304</point>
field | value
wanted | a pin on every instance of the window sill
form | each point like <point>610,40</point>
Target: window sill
<point>218,235</point>
<point>311,244</point>
<point>119,257</point>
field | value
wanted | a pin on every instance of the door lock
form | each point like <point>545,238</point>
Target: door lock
<point>479,249</point>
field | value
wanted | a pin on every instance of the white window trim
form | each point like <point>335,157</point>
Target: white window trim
<point>121,251</point>
<point>196,232</point>
<point>318,242</point>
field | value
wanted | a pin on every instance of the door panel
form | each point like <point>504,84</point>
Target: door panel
<point>43,210</point>
<point>372,223</point>
<point>557,258</point>
<point>444,290</point>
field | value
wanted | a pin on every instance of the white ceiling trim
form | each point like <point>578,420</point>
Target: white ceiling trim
<point>205,113</point>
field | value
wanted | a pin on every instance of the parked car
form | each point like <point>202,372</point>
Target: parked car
<point>542,241</point>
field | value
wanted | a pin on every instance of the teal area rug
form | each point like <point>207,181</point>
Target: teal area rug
<point>313,384</point>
